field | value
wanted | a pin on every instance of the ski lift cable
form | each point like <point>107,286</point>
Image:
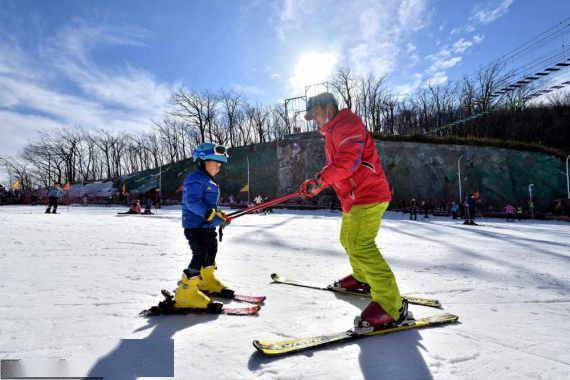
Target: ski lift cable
<point>558,30</point>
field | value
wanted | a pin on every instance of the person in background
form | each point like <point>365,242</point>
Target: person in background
<point>454,209</point>
<point>470,209</point>
<point>519,213</point>
<point>135,207</point>
<point>54,195</point>
<point>531,209</point>
<point>258,200</point>
<point>268,210</point>
<point>425,207</point>
<point>413,209</point>
<point>510,212</point>
<point>147,206</point>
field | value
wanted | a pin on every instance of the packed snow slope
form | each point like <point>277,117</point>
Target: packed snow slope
<point>71,286</point>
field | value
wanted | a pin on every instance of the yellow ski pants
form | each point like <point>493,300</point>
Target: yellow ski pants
<point>358,233</point>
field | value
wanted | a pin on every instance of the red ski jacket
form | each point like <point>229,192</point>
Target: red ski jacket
<point>353,165</point>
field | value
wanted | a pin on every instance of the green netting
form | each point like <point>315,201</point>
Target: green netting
<point>232,178</point>
<point>420,170</point>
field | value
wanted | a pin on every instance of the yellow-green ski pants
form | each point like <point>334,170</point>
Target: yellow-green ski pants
<point>358,233</point>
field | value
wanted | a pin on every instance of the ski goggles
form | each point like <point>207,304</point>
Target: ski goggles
<point>218,150</point>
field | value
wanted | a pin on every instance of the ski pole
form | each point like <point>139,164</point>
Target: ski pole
<point>251,209</point>
<point>262,206</point>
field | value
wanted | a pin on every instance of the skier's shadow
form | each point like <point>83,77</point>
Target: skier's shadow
<point>390,357</point>
<point>394,356</point>
<point>152,356</point>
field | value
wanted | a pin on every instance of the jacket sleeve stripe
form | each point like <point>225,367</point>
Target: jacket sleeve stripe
<point>349,138</point>
<point>357,162</point>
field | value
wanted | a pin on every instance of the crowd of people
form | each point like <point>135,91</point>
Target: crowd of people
<point>470,208</point>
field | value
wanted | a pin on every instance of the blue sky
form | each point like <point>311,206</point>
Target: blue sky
<point>113,64</point>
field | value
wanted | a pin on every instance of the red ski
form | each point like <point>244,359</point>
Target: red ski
<point>257,300</point>
<point>230,295</point>
<point>166,307</point>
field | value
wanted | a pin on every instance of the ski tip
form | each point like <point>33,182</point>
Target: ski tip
<point>274,276</point>
<point>253,310</point>
<point>259,346</point>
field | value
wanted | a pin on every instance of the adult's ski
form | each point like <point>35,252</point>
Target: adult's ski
<point>296,345</point>
<point>166,307</point>
<point>277,279</point>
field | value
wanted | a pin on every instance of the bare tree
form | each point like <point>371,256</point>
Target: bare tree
<point>345,85</point>
<point>192,108</point>
<point>231,110</point>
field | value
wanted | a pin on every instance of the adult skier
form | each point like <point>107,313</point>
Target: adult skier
<point>413,209</point>
<point>470,209</point>
<point>147,205</point>
<point>510,212</point>
<point>355,172</point>
<point>200,217</point>
<point>54,195</point>
<point>454,209</point>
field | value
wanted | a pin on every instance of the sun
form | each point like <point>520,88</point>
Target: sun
<point>311,68</point>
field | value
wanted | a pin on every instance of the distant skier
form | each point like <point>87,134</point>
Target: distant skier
<point>470,209</point>
<point>257,201</point>
<point>510,212</point>
<point>54,195</point>
<point>268,210</point>
<point>147,205</point>
<point>355,172</point>
<point>200,217</point>
<point>425,208</point>
<point>413,209</point>
<point>454,209</point>
<point>519,213</point>
<point>531,209</point>
<point>135,207</point>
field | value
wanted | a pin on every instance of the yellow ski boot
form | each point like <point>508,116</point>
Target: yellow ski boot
<point>187,295</point>
<point>210,284</point>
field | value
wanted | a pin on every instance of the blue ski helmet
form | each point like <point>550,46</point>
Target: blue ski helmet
<point>209,151</point>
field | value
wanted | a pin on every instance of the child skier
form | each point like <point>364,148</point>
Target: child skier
<point>355,172</point>
<point>200,217</point>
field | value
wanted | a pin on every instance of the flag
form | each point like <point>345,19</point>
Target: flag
<point>244,189</point>
<point>16,185</point>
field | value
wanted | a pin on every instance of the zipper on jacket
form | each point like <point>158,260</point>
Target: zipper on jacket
<point>351,193</point>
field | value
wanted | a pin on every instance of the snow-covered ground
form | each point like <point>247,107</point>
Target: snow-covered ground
<point>71,286</point>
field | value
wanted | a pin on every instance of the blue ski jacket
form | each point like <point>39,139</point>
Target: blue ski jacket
<point>199,194</point>
<point>55,193</point>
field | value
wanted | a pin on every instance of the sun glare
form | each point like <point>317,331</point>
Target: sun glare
<point>312,68</point>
